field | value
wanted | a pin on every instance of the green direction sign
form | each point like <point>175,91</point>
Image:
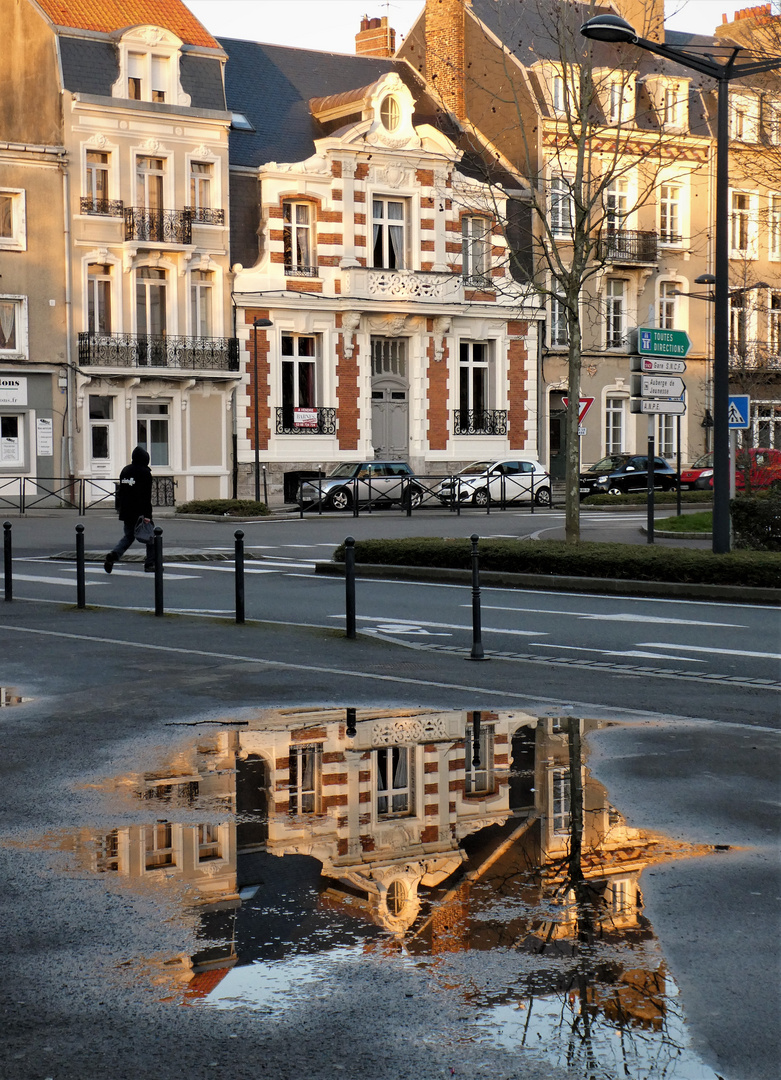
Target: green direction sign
<point>651,341</point>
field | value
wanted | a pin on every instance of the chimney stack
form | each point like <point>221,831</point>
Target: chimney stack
<point>375,38</point>
<point>445,48</point>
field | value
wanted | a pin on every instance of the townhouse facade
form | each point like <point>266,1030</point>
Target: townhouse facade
<point>140,251</point>
<point>397,330</point>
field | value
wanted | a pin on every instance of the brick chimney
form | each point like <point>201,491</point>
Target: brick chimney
<point>445,48</point>
<point>752,26</point>
<point>375,38</point>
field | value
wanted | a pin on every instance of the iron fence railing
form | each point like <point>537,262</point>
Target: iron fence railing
<point>158,226</point>
<point>286,422</point>
<point>103,207</point>
<point>205,215</point>
<point>628,245</point>
<point>162,350</point>
<point>79,493</point>
<point>479,421</point>
<point>301,271</point>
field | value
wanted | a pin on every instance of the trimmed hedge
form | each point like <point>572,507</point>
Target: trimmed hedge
<point>619,561</point>
<point>225,507</point>
<point>756,521</point>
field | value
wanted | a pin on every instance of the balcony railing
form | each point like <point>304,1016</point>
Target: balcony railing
<point>158,226</point>
<point>479,422</point>
<point>755,356</point>
<point>205,215</point>
<point>286,425</point>
<point>103,207</point>
<point>300,271</point>
<point>628,246</point>
<point>478,281</point>
<point>159,351</point>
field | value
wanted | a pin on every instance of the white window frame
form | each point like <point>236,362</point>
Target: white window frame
<point>148,418</point>
<point>666,431</point>
<point>667,305</point>
<point>766,414</point>
<point>294,266</point>
<point>479,780</point>
<point>743,117</point>
<point>92,291</point>
<point>774,323</point>
<point>558,94</point>
<point>209,842</point>
<point>562,207</point>
<point>560,801</point>
<point>195,180</point>
<point>399,801</point>
<point>159,855</point>
<point>743,224</point>
<point>385,224</point>
<point>774,227</point>
<point>20,350</point>
<point>295,359</point>
<point>558,338</point>
<point>616,303</point>
<point>616,202</point>
<point>615,423</point>
<point>202,295</point>
<point>138,60</point>
<point>305,799</point>
<point>17,241</point>
<point>476,250</point>
<point>670,207</point>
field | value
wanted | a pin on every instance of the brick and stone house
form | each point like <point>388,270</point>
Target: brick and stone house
<point>361,232</point>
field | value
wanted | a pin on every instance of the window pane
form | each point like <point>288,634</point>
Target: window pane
<point>8,324</point>
<point>6,216</point>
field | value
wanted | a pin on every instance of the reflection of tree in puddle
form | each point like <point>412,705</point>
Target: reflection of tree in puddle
<point>439,835</point>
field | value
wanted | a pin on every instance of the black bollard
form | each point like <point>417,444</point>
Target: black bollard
<point>7,561</point>
<point>349,586</point>
<point>81,581</point>
<point>158,571</point>
<point>238,562</point>
<point>477,644</point>
<point>475,740</point>
<point>352,730</point>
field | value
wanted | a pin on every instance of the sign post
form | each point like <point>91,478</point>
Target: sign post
<point>584,404</point>
<point>738,419</point>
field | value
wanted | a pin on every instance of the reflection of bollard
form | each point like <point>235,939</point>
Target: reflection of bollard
<point>81,584</point>
<point>7,561</point>
<point>355,498</point>
<point>349,586</point>
<point>352,730</point>
<point>238,562</point>
<point>477,644</point>
<point>158,570</point>
<point>475,740</point>
<point>408,499</point>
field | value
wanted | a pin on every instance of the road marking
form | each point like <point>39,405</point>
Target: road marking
<point>617,617</point>
<point>411,628</point>
<point>440,625</point>
<point>49,580</point>
<point>610,652</point>
<point>710,649</point>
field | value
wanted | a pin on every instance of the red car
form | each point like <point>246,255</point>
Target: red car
<point>756,469</point>
<point>699,476</point>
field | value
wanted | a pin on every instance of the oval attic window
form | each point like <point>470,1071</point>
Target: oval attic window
<point>390,113</point>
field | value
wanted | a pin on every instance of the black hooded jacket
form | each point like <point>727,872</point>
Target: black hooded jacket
<point>134,490</point>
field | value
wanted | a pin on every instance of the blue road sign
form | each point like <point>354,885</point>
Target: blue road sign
<point>739,411</point>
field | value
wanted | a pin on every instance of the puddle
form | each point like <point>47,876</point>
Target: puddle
<point>471,848</point>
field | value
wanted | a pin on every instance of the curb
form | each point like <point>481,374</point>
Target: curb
<point>613,586</point>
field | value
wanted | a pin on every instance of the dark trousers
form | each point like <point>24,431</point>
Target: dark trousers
<point>127,539</point>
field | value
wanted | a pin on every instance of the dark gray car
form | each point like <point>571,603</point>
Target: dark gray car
<point>620,474</point>
<point>375,482</point>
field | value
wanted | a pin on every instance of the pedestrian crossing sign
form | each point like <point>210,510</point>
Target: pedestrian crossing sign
<point>738,411</point>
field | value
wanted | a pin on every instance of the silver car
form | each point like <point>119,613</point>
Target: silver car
<point>509,480</point>
<point>375,482</point>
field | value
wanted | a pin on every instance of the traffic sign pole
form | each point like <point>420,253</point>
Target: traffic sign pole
<point>651,463</point>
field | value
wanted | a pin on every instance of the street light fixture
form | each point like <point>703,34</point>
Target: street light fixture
<point>614,30</point>
<point>256,324</point>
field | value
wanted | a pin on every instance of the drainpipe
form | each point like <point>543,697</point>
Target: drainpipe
<point>234,270</point>
<point>70,395</point>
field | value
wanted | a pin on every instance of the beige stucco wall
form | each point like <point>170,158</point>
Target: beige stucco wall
<point>29,87</point>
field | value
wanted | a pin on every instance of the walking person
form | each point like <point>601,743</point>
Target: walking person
<point>134,501</point>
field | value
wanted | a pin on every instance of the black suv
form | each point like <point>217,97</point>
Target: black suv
<point>620,474</point>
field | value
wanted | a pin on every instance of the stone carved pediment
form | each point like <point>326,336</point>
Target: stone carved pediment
<point>407,730</point>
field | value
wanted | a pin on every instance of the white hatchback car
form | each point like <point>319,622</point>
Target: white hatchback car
<point>518,479</point>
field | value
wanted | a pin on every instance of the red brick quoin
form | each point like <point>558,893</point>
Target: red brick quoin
<point>517,393</point>
<point>347,393</point>
<point>260,426</point>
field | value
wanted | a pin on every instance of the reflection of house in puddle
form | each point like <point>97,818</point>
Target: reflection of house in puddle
<point>451,830</point>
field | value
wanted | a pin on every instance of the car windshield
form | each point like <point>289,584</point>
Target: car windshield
<point>348,469</point>
<point>608,464</point>
<point>705,461</point>
<point>476,467</point>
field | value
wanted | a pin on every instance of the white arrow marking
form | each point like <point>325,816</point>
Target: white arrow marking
<point>710,649</point>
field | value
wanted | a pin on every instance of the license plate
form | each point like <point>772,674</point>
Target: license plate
<point>585,491</point>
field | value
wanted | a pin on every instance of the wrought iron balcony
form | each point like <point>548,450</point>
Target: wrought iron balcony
<point>158,226</point>
<point>286,422</point>
<point>103,207</point>
<point>479,422</point>
<point>754,356</point>
<point>159,351</point>
<point>205,215</point>
<point>628,246</point>
<point>478,281</point>
<point>300,271</point>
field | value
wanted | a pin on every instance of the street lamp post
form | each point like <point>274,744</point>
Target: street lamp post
<point>256,324</point>
<point>614,30</point>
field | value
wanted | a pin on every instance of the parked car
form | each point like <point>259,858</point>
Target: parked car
<point>375,482</point>
<point>505,481</point>
<point>698,477</point>
<point>620,474</point>
<point>756,468</point>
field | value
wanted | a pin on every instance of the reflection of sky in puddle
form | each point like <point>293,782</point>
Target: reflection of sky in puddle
<point>313,842</point>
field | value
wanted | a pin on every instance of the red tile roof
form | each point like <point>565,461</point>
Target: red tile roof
<point>108,15</point>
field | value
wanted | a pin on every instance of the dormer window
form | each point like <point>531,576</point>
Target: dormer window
<point>390,113</point>
<point>557,93</point>
<point>149,66</point>
<point>135,65</point>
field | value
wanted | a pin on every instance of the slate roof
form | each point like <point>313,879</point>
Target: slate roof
<point>107,15</point>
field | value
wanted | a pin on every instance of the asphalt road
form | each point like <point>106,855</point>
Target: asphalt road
<point>692,687</point>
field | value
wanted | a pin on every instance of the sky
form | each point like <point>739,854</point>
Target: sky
<point>331,25</point>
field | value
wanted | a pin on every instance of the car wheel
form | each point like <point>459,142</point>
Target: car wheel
<point>480,497</point>
<point>341,499</point>
<point>413,497</point>
<point>614,490</point>
<point>542,497</point>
